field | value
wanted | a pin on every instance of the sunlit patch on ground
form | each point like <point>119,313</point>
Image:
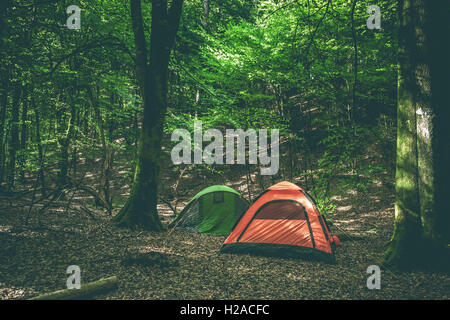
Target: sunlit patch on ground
<point>5,228</point>
<point>344,208</point>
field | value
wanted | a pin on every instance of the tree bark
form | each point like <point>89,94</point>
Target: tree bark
<point>141,206</point>
<point>422,212</point>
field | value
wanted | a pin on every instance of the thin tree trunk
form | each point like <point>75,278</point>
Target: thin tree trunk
<point>24,131</point>
<point>205,16</point>
<point>13,145</point>
<point>64,142</point>
<point>5,77</point>
<point>39,144</point>
<point>3,107</point>
<point>249,181</point>
<point>107,155</point>
<point>77,124</point>
<point>354,110</point>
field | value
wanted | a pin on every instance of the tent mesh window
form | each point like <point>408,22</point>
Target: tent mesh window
<point>282,210</point>
<point>192,218</point>
<point>218,197</point>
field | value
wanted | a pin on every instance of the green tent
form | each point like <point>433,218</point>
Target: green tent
<point>213,210</point>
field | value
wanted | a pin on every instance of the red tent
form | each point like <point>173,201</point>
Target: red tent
<point>283,221</point>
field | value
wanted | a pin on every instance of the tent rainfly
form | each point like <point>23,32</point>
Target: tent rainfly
<point>283,221</point>
<point>213,210</point>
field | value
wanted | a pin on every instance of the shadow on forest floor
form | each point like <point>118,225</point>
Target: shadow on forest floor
<point>181,265</point>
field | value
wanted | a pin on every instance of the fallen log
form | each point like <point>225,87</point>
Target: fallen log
<point>87,289</point>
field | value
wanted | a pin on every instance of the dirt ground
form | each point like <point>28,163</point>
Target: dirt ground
<point>181,265</point>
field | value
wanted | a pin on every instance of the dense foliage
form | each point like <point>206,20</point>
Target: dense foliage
<point>309,68</point>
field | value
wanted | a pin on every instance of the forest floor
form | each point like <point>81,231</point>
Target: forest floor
<point>182,265</point>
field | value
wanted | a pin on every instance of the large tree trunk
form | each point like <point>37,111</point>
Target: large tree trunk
<point>141,207</point>
<point>422,212</point>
